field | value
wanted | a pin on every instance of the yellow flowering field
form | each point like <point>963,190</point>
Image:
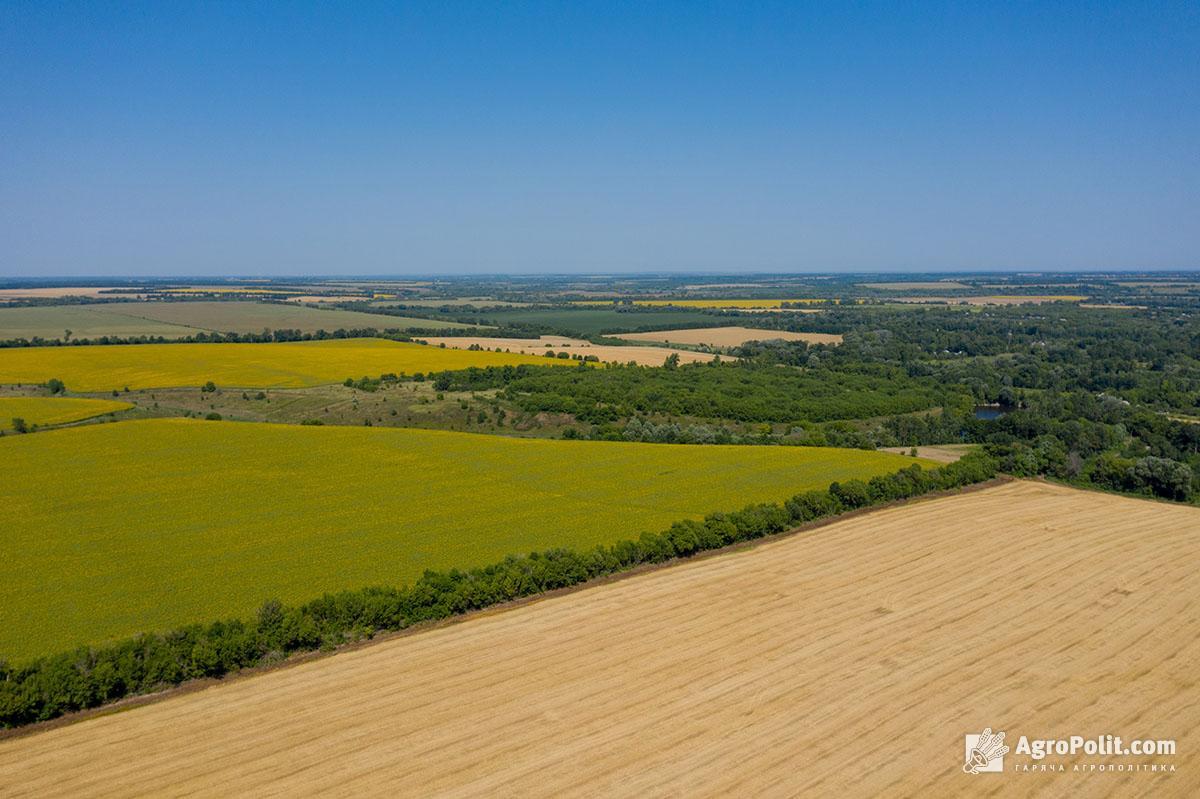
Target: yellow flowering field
<point>54,410</point>
<point>146,525</point>
<point>281,365</point>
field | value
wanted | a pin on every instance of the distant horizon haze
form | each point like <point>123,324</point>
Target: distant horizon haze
<point>583,276</point>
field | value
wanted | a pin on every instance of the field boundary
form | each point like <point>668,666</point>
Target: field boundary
<point>418,628</point>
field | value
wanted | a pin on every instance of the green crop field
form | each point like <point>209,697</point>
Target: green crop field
<point>54,410</point>
<point>182,319</point>
<point>84,321</point>
<point>281,365</point>
<point>117,528</point>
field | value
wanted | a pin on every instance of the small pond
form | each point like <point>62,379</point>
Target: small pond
<point>991,411</point>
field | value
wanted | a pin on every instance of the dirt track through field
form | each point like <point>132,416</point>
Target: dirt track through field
<point>846,661</point>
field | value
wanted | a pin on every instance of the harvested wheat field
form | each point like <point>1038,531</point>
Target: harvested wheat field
<point>642,356</point>
<point>846,661</point>
<point>730,336</point>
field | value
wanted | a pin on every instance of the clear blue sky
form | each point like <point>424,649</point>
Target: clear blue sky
<point>223,138</point>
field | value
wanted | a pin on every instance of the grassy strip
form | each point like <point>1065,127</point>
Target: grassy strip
<point>92,676</point>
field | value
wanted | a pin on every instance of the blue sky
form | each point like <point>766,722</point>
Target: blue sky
<point>360,138</point>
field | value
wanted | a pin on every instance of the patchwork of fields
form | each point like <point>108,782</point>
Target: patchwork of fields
<point>849,661</point>
<point>751,305</point>
<point>252,317</point>
<point>993,299</point>
<point>183,319</point>
<point>280,365</point>
<point>55,410</point>
<point>118,528</point>
<point>716,303</point>
<point>585,321</point>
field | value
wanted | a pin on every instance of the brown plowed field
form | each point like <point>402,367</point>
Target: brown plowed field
<point>846,661</point>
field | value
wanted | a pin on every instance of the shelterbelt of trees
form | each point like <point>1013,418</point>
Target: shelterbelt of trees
<point>89,677</point>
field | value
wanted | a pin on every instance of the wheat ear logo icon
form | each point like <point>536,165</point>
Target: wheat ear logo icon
<point>986,748</point>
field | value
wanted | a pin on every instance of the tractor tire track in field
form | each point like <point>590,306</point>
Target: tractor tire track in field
<point>847,661</point>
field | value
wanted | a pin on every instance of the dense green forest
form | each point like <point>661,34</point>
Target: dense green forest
<point>1151,356</point>
<point>739,392</point>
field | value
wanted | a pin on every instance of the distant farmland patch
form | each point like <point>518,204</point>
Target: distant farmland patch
<point>730,336</point>
<point>54,292</point>
<point>583,321</point>
<point>437,302</point>
<point>84,321</point>
<point>54,410</point>
<point>117,528</point>
<point>182,319</point>
<point>995,299</point>
<point>728,304</point>
<point>252,317</point>
<point>917,285</point>
<point>281,365</point>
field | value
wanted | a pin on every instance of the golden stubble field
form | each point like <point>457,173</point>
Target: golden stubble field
<point>846,661</point>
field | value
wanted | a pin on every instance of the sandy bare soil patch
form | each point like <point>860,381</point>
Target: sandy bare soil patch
<point>941,453</point>
<point>643,356</point>
<point>846,661</point>
<point>729,336</point>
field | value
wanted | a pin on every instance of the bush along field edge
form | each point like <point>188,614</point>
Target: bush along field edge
<point>89,677</point>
